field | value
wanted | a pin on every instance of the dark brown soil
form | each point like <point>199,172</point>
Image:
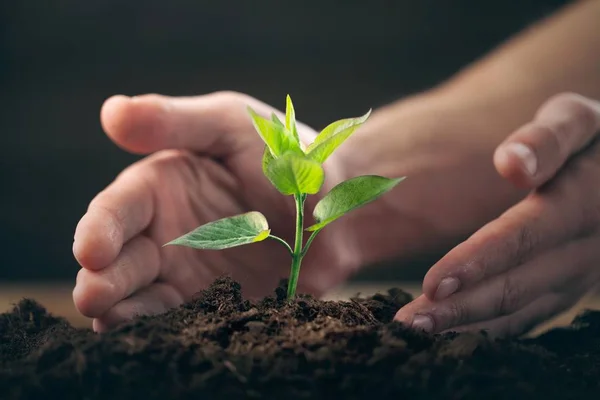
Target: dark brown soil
<point>222,347</point>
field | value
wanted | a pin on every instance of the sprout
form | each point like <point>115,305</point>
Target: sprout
<point>296,172</point>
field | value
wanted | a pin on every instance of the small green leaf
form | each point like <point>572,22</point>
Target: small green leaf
<point>333,136</point>
<point>350,195</point>
<point>290,118</point>
<point>274,134</point>
<point>276,119</point>
<point>227,232</point>
<point>295,174</point>
<point>266,160</point>
<point>336,127</point>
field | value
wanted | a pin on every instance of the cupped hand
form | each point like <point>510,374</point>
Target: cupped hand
<point>541,256</point>
<point>205,164</point>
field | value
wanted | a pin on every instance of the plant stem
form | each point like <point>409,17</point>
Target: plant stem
<point>297,253</point>
<point>308,242</point>
<point>280,240</point>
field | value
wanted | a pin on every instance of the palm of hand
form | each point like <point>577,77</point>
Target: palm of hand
<point>198,190</point>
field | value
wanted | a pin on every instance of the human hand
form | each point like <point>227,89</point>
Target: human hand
<point>205,164</point>
<point>542,255</point>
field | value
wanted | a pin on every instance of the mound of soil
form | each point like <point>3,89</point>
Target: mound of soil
<point>220,346</point>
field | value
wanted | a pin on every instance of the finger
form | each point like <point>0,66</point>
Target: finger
<point>136,267</point>
<point>564,125</point>
<point>117,214</point>
<point>154,299</point>
<point>565,267</point>
<point>515,237</point>
<point>212,124</point>
<point>523,321</point>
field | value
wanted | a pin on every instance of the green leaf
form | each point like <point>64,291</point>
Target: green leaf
<point>267,156</point>
<point>290,118</point>
<point>276,119</point>
<point>227,232</point>
<point>274,134</point>
<point>336,127</point>
<point>295,174</point>
<point>350,195</point>
<point>266,160</point>
<point>333,136</point>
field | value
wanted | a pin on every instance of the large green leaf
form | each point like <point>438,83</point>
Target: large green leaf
<point>290,118</point>
<point>295,174</point>
<point>333,136</point>
<point>227,232</point>
<point>350,195</point>
<point>274,134</point>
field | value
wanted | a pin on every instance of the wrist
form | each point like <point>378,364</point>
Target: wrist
<point>444,145</point>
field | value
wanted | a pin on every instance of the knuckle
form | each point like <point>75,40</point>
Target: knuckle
<point>140,169</point>
<point>166,158</point>
<point>523,227</point>
<point>567,100</point>
<point>574,195</point>
<point>577,111</point>
<point>152,96</point>
<point>162,165</point>
<point>88,291</point>
<point>545,139</point>
<point>131,171</point>
<point>562,98</point>
<point>584,114</point>
<point>553,136</point>
<point>123,272</point>
<point>510,297</point>
<point>458,314</point>
<point>525,242</point>
<point>228,114</point>
<point>477,269</point>
<point>152,172</point>
<point>102,204</point>
<point>183,167</point>
<point>227,99</point>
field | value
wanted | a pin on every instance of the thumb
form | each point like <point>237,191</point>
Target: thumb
<point>214,123</point>
<point>562,127</point>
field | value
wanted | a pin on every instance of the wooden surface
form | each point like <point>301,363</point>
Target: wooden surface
<point>57,299</point>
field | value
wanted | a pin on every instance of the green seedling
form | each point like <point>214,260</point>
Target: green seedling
<point>294,171</point>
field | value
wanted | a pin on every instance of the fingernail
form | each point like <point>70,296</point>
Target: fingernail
<point>422,322</point>
<point>525,154</point>
<point>447,287</point>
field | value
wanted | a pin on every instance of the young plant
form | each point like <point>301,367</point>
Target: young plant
<point>298,172</point>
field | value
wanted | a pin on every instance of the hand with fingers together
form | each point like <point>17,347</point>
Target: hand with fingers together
<point>542,255</point>
<point>204,165</point>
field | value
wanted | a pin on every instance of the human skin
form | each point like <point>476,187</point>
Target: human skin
<point>538,258</point>
<point>543,254</point>
<point>204,163</point>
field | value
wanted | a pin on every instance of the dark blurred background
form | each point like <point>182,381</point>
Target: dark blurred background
<point>59,60</point>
